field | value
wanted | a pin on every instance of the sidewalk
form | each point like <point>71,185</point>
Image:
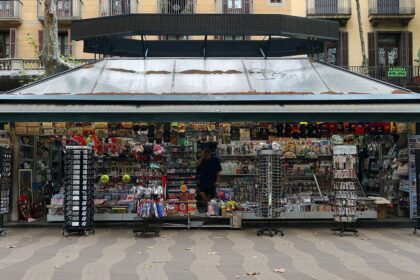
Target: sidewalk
<point>113,253</point>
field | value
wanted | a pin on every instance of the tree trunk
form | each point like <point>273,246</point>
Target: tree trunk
<point>365,63</point>
<point>50,54</point>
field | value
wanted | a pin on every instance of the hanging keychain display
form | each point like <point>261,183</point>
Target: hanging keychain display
<point>344,185</point>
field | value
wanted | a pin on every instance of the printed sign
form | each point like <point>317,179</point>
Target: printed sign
<point>395,72</point>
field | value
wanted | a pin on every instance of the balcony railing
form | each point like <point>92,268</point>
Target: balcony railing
<point>67,10</point>
<point>117,7</point>
<point>10,10</point>
<point>29,64</point>
<point>391,7</point>
<point>398,75</point>
<point>328,7</point>
<point>177,6</point>
<point>234,6</point>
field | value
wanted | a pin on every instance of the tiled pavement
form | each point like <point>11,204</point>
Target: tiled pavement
<point>112,253</point>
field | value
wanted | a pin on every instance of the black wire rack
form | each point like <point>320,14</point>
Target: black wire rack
<point>79,188</point>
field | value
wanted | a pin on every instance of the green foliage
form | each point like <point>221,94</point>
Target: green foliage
<point>33,44</point>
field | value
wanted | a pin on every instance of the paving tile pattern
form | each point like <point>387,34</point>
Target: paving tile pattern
<point>113,254</point>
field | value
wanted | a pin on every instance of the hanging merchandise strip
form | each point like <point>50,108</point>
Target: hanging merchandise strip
<point>5,178</point>
<point>78,202</point>
<point>345,195</point>
<point>413,147</point>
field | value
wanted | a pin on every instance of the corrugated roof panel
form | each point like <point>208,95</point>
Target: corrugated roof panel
<point>136,77</point>
<point>345,82</point>
<point>79,81</point>
<point>209,76</point>
<point>286,75</point>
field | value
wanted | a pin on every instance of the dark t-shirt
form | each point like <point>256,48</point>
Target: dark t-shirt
<point>207,172</point>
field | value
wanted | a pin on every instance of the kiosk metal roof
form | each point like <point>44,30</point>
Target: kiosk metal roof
<point>223,89</point>
<point>209,77</point>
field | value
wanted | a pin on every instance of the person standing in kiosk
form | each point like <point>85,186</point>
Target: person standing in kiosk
<point>208,170</point>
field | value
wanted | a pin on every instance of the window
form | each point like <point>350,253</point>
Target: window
<point>335,53</point>
<point>63,43</point>
<point>7,9</point>
<point>114,7</point>
<point>63,8</point>
<point>236,6</point>
<point>4,45</point>
<point>390,48</point>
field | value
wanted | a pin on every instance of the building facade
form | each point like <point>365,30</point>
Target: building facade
<point>389,26</point>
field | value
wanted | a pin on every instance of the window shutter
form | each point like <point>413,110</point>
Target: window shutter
<point>40,40</point>
<point>12,39</point>
<point>373,48</point>
<point>246,6</point>
<point>225,6</point>
<point>406,49</point>
<point>69,43</point>
<point>343,58</point>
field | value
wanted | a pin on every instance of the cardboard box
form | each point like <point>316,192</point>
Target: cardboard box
<point>20,124</point>
<point>59,125</point>
<point>33,130</point>
<point>21,130</point>
<point>33,124</point>
<point>60,131</point>
<point>47,131</point>
<point>101,125</point>
<point>236,220</point>
<point>47,125</point>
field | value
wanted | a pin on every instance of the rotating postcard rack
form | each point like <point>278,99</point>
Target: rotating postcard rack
<point>345,186</point>
<point>269,189</point>
<point>78,202</point>
<point>5,182</point>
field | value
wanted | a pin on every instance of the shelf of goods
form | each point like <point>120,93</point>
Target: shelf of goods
<point>181,180</point>
<point>114,181</point>
<point>78,197</point>
<point>239,176</point>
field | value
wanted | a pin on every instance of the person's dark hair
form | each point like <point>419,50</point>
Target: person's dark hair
<point>207,150</point>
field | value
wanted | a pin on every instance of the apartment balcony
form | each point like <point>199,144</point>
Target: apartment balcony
<point>10,12</point>
<point>234,6</point>
<point>401,11</point>
<point>339,10</point>
<point>177,6</point>
<point>67,10</point>
<point>117,7</point>
<point>405,76</point>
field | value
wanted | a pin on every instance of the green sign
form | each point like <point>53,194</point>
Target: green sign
<point>397,72</point>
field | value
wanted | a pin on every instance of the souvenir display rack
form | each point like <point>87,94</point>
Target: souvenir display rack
<point>5,182</point>
<point>238,161</point>
<point>78,199</point>
<point>113,199</point>
<point>270,191</point>
<point>181,179</point>
<point>345,189</point>
<point>150,209</point>
<point>414,169</point>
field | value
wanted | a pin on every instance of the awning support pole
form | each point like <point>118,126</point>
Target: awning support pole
<point>143,47</point>
<point>268,47</point>
<point>205,47</point>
